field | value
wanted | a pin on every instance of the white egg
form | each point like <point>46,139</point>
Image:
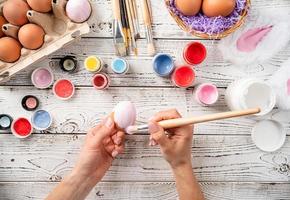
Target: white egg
<point>125,114</point>
<point>78,11</point>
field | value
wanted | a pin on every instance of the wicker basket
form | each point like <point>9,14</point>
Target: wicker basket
<point>187,29</point>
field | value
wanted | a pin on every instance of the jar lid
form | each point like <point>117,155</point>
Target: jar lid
<point>268,135</point>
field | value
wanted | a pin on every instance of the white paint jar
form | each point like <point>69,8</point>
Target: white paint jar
<point>250,93</point>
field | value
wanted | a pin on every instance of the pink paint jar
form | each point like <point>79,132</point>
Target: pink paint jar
<point>206,94</point>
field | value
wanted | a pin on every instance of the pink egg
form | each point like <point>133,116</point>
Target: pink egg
<point>78,11</point>
<point>125,114</point>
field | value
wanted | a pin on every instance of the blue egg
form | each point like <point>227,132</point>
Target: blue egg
<point>163,64</point>
<point>41,120</point>
<point>119,66</point>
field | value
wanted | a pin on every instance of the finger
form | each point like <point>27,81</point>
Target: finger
<point>158,134</point>
<point>118,150</point>
<point>119,138</point>
<point>167,114</point>
<point>104,129</point>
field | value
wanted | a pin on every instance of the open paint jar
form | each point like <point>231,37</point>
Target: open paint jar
<point>63,89</point>
<point>5,122</point>
<point>268,135</point>
<point>68,64</point>
<point>183,76</point>
<point>41,120</point>
<point>250,93</point>
<point>206,94</point>
<point>93,64</point>
<point>120,66</point>
<point>21,128</point>
<point>194,53</point>
<point>30,103</point>
<point>42,77</point>
<point>163,64</point>
<point>101,81</point>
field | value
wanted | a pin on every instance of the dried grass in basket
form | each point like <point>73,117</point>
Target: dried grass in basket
<point>200,34</point>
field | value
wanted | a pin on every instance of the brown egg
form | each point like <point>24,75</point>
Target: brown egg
<point>214,8</point>
<point>2,21</point>
<point>31,36</point>
<point>15,12</point>
<point>10,49</point>
<point>188,7</point>
<point>40,5</point>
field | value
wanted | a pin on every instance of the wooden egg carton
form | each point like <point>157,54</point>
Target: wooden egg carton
<point>60,31</point>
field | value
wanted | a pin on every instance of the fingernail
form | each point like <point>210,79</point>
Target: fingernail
<point>118,141</point>
<point>154,143</point>
<point>153,128</point>
<point>108,122</point>
<point>150,143</point>
<point>114,153</point>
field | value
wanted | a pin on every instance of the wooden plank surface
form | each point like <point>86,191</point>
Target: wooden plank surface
<point>141,74</point>
<point>158,191</point>
<point>90,105</point>
<point>226,162</point>
<point>214,158</point>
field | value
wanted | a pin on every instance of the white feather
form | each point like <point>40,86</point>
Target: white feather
<point>271,44</point>
<point>280,82</point>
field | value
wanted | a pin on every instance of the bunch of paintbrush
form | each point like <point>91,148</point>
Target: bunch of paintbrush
<point>125,27</point>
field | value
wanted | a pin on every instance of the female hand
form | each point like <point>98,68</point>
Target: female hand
<point>103,143</point>
<point>176,146</point>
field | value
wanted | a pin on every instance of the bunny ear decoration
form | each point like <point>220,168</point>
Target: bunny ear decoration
<point>258,40</point>
<point>280,82</point>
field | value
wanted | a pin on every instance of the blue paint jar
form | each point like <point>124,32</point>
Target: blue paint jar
<point>41,120</point>
<point>120,66</point>
<point>163,64</point>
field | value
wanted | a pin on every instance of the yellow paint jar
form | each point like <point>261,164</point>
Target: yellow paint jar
<point>93,64</point>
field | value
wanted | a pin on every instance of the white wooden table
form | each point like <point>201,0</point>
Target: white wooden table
<point>226,162</point>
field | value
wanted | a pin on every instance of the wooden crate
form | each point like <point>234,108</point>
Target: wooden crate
<point>60,31</point>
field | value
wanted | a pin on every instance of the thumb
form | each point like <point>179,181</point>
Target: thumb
<point>105,129</point>
<point>158,134</point>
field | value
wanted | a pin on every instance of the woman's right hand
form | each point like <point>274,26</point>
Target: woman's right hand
<point>176,146</point>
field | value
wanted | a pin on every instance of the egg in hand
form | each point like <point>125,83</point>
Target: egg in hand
<point>215,8</point>
<point>188,7</point>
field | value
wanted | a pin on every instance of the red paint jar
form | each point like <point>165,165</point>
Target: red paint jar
<point>183,76</point>
<point>64,89</point>
<point>194,53</point>
<point>101,81</point>
<point>21,128</point>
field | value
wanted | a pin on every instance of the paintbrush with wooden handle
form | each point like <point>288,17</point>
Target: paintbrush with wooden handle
<point>131,25</point>
<point>148,27</point>
<point>118,32</point>
<point>174,123</point>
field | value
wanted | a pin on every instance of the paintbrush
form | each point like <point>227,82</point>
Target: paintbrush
<point>135,19</point>
<point>118,33</point>
<point>175,123</point>
<point>148,27</point>
<point>131,25</point>
<point>126,28</point>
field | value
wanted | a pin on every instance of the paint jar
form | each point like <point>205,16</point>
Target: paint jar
<point>68,64</point>
<point>163,65</point>
<point>250,93</point>
<point>120,66</point>
<point>93,64</point>
<point>63,89</point>
<point>206,94</point>
<point>5,122</point>
<point>21,128</point>
<point>183,76</point>
<point>194,53</point>
<point>30,103</point>
<point>101,81</point>
<point>42,77</point>
<point>268,135</point>
<point>41,120</point>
